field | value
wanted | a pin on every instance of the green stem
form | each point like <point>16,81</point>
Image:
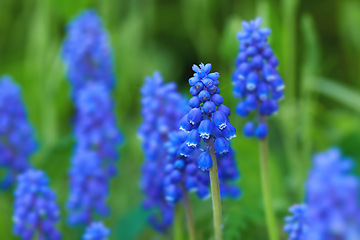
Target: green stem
<point>265,182</point>
<point>189,216</point>
<point>177,227</point>
<point>215,194</point>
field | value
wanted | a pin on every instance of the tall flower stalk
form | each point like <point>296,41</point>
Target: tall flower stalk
<point>209,131</point>
<point>162,109</point>
<point>182,177</point>
<point>17,137</point>
<point>331,210</point>
<point>95,155</point>
<point>259,86</point>
<point>87,54</point>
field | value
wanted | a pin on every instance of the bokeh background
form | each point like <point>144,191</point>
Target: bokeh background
<point>316,41</point>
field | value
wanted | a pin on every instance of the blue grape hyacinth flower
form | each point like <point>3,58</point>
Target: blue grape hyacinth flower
<point>162,109</point>
<point>256,80</point>
<point>182,173</point>
<point>229,174</point>
<point>87,53</point>
<point>89,188</point>
<point>17,137</point>
<point>207,122</point>
<point>96,127</point>
<point>332,197</point>
<point>96,231</point>
<point>35,209</point>
<point>95,156</point>
<point>297,225</point>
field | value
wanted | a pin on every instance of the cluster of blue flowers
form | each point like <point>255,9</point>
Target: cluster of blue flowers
<point>181,173</point>
<point>95,125</point>
<point>17,140</point>
<point>228,175</point>
<point>332,208</point>
<point>332,197</point>
<point>96,231</point>
<point>35,209</point>
<point>296,225</point>
<point>89,188</point>
<point>256,80</point>
<point>162,109</point>
<point>87,52</point>
<point>96,154</point>
<point>208,118</point>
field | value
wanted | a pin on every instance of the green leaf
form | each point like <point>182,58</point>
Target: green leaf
<point>339,92</point>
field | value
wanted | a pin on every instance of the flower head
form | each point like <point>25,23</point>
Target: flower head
<point>181,172</point>
<point>256,81</point>
<point>96,231</point>
<point>162,109</point>
<point>228,175</point>
<point>95,156</point>
<point>87,52</point>
<point>35,209</point>
<point>89,188</point>
<point>207,121</point>
<point>95,125</point>
<point>17,140</point>
<point>332,196</point>
<point>296,225</point>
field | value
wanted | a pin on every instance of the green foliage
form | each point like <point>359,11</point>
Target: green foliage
<point>314,42</point>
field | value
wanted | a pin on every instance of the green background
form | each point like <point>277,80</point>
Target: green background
<point>316,41</point>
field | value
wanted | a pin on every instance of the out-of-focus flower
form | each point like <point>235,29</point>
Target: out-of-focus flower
<point>296,225</point>
<point>162,109</point>
<point>256,81</point>
<point>89,188</point>
<point>95,125</point>
<point>17,140</point>
<point>96,154</point>
<point>181,173</point>
<point>332,197</point>
<point>35,209</point>
<point>96,231</point>
<point>228,175</point>
<point>332,209</point>
<point>87,52</point>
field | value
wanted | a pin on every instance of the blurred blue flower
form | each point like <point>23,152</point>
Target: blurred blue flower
<point>17,137</point>
<point>96,231</point>
<point>89,188</point>
<point>332,197</point>
<point>256,81</point>
<point>162,109</point>
<point>35,209</point>
<point>208,118</point>
<point>182,173</point>
<point>95,125</point>
<point>228,175</point>
<point>87,53</point>
<point>332,208</point>
<point>297,225</point>
<point>95,156</point>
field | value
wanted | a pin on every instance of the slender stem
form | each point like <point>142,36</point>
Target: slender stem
<point>215,194</point>
<point>178,227</point>
<point>265,181</point>
<point>189,216</point>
